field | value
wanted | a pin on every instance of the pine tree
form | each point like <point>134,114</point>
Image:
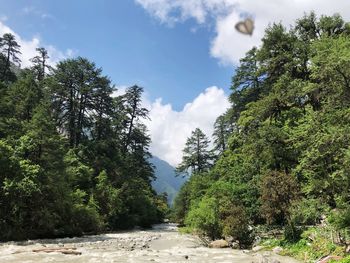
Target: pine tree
<point>196,155</point>
<point>40,63</point>
<point>10,50</point>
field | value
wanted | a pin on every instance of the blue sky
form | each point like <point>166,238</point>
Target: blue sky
<point>171,62</point>
<point>183,52</point>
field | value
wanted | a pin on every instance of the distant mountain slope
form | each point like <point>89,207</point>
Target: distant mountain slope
<point>166,181</point>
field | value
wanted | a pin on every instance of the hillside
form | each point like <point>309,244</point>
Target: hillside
<point>166,179</point>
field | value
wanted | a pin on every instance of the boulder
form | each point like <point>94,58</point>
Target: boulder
<point>262,259</point>
<point>229,239</point>
<point>265,259</point>
<point>235,245</point>
<point>347,250</point>
<point>277,250</point>
<point>257,248</point>
<point>219,244</point>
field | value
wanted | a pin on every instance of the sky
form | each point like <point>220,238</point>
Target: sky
<point>183,52</point>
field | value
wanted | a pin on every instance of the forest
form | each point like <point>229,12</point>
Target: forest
<point>74,158</point>
<point>281,153</point>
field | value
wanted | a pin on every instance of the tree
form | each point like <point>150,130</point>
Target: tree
<point>133,112</point>
<point>40,63</point>
<point>285,159</point>
<point>278,191</point>
<point>205,217</point>
<point>196,155</point>
<point>222,130</point>
<point>76,83</point>
<point>247,84</point>
<point>10,50</point>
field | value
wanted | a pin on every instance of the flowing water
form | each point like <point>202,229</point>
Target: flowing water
<point>161,244</point>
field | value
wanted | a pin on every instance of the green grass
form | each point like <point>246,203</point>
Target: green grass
<point>313,245</point>
<point>186,230</point>
<point>344,260</point>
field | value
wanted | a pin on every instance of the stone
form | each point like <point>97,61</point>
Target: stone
<point>277,250</point>
<point>219,244</point>
<point>347,250</point>
<point>267,254</point>
<point>257,248</point>
<point>186,257</point>
<point>263,259</point>
<point>235,245</point>
<point>229,239</point>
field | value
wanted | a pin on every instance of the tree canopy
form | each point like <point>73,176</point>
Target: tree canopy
<point>284,143</point>
<point>73,158</point>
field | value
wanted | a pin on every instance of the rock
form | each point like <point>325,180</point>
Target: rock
<point>347,250</point>
<point>328,259</point>
<point>219,244</point>
<point>186,257</point>
<point>267,254</point>
<point>257,248</point>
<point>275,261</point>
<point>235,245</point>
<point>263,259</point>
<point>277,250</point>
<point>257,241</point>
<point>229,239</point>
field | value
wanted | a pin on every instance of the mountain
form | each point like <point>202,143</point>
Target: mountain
<point>166,179</point>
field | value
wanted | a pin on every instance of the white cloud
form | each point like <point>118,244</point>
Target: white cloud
<point>169,129</point>
<point>28,48</point>
<point>119,90</point>
<point>228,45</point>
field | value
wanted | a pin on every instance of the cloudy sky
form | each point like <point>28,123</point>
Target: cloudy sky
<point>183,52</point>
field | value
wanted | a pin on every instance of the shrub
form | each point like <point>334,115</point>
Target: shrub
<point>205,217</point>
<point>235,224</point>
<point>308,211</point>
<point>278,191</point>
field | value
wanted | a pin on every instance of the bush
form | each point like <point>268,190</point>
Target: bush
<point>308,211</point>
<point>340,217</point>
<point>235,224</point>
<point>278,191</point>
<point>292,233</point>
<point>314,244</point>
<point>85,217</point>
<point>205,217</point>
<point>344,260</point>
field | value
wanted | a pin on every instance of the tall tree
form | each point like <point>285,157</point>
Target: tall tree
<point>133,112</point>
<point>222,129</point>
<point>196,155</point>
<point>40,63</point>
<point>10,50</point>
<point>77,90</point>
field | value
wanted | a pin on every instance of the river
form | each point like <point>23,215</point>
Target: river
<point>161,244</point>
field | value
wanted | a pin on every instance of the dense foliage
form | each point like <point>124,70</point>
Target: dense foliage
<point>284,143</point>
<point>73,158</point>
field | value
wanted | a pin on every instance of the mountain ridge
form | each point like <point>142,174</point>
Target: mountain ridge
<point>166,179</point>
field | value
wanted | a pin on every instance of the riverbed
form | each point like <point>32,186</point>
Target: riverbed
<point>163,243</point>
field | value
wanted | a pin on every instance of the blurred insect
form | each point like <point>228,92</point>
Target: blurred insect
<point>245,27</point>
